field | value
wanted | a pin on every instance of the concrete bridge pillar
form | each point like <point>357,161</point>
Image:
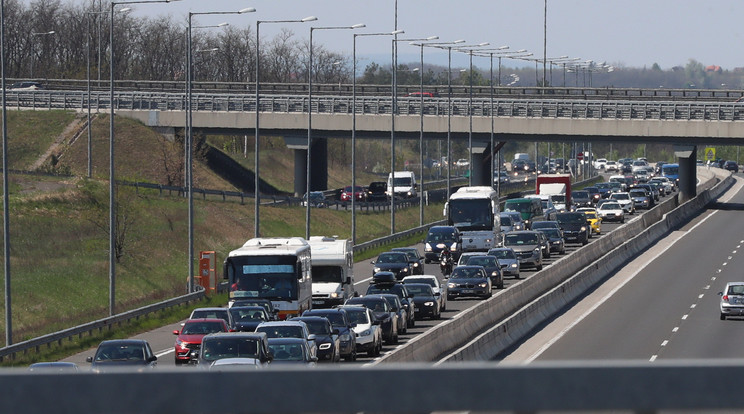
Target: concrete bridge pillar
<point>687,155</point>
<point>318,161</point>
<point>480,169</point>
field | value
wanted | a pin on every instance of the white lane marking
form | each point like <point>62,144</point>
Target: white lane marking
<point>725,263</point>
<point>700,296</point>
<point>664,343</point>
<point>734,252</point>
<point>684,317</point>
<point>601,301</point>
<point>676,328</point>
<point>166,352</point>
<point>653,358</point>
<point>693,306</point>
<point>362,281</point>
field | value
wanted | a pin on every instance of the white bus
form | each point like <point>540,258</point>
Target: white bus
<point>475,213</point>
<point>278,269</point>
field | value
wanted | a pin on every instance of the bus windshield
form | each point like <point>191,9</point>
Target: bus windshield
<point>328,274</point>
<point>518,206</point>
<point>271,277</point>
<point>471,214</point>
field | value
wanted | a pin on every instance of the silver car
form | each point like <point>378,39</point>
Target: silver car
<point>527,244</point>
<point>732,300</point>
<point>508,261</point>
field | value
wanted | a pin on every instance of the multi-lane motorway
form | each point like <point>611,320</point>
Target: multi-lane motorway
<point>663,305</point>
<point>162,339</point>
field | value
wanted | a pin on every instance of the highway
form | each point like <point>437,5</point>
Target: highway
<point>662,305</point>
<point>162,339</point>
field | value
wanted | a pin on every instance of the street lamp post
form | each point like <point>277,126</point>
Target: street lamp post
<point>6,209</point>
<point>392,130</point>
<point>112,203</point>
<point>33,48</point>
<point>189,137</point>
<point>310,120</point>
<point>469,50</point>
<point>353,125</point>
<point>257,193</point>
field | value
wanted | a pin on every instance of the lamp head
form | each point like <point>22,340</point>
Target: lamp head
<point>358,26</point>
<point>309,19</point>
<point>246,10</point>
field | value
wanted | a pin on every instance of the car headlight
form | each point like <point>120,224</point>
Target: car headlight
<point>583,228</point>
<point>366,332</point>
<point>494,274</point>
<point>453,246</point>
<point>376,269</point>
<point>514,265</point>
<point>416,264</point>
<point>345,337</point>
<point>483,284</point>
<point>179,343</point>
<point>451,285</point>
<point>334,294</point>
<point>325,346</point>
<point>404,270</point>
<point>428,303</point>
<point>427,247</point>
<point>409,193</point>
<point>536,251</point>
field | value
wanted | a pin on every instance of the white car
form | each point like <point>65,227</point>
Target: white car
<point>611,211</point>
<point>462,162</point>
<point>432,281</point>
<point>732,300</point>
<point>611,166</point>
<point>625,201</point>
<point>600,163</point>
<point>368,333</point>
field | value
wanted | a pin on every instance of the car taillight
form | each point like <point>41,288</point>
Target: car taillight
<point>725,298</point>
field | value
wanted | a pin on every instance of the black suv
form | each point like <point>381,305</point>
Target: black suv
<point>401,291</point>
<point>414,259</point>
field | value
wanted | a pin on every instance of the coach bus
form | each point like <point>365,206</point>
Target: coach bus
<point>475,213</point>
<point>278,269</point>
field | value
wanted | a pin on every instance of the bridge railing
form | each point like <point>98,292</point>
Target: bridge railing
<point>382,105</point>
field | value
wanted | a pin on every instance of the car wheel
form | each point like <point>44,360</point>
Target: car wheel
<point>622,221</point>
<point>547,255</point>
<point>450,297</point>
<point>412,322</point>
<point>723,317</point>
<point>179,362</point>
<point>539,267</point>
<point>350,357</point>
<point>584,242</point>
<point>501,284</point>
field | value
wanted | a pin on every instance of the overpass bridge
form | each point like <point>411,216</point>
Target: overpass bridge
<point>484,122</point>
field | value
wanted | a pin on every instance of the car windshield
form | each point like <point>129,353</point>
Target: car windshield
<point>420,290</point>
<point>392,258</point>
<point>590,214</point>
<point>485,261</point>
<point>580,194</point>
<point>502,254</point>
<point>247,315</point>
<point>558,198</point>
<point>336,317</point>
<point>119,352</point>
<point>429,281</point>
<point>735,290</point>
<point>620,196</point>
<point>610,206</point>
<point>224,347</point>
<point>466,273</point>
<point>410,253</point>
<point>553,233</point>
<point>506,221</point>
<point>210,314</point>
<point>375,304</point>
<point>201,328</point>
<point>328,274</point>
<point>358,317</point>
<point>287,352</point>
<point>573,218</point>
<point>521,238</point>
<point>317,326</point>
<point>285,331</point>
<point>440,237</point>
<point>638,193</point>
<point>518,206</point>
<point>396,289</point>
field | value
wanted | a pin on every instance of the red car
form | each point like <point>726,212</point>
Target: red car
<point>358,193</point>
<point>191,334</point>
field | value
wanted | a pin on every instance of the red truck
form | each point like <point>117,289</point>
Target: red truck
<point>557,186</point>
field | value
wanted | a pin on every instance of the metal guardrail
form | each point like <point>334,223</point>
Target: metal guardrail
<point>99,325</point>
<point>551,92</point>
<point>382,105</point>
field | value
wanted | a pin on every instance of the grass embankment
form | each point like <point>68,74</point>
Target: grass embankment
<point>59,226</point>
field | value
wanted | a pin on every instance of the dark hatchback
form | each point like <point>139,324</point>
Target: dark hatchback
<point>395,262</point>
<point>491,266</point>
<point>731,166</point>
<point>574,226</point>
<point>247,318</point>
<point>383,313</point>
<point>400,290</point>
<point>376,191</point>
<point>468,281</point>
<point>121,354</point>
<point>339,321</point>
<point>440,237</point>
<point>427,305</point>
<point>414,259</point>
<point>581,199</point>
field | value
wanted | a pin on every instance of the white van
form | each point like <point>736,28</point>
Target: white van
<point>333,271</point>
<point>404,183</point>
<point>522,156</point>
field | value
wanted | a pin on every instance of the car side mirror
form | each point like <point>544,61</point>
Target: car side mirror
<point>311,337</point>
<point>348,280</point>
<point>89,359</point>
<point>152,358</point>
<point>353,325</point>
<point>720,293</point>
<point>335,331</point>
<point>410,296</point>
<point>314,359</point>
<point>376,321</point>
<point>372,262</point>
<point>176,332</point>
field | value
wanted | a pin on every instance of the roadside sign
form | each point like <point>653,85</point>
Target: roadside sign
<point>710,153</point>
<point>580,156</point>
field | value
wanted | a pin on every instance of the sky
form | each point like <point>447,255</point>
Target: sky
<point>630,33</point>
